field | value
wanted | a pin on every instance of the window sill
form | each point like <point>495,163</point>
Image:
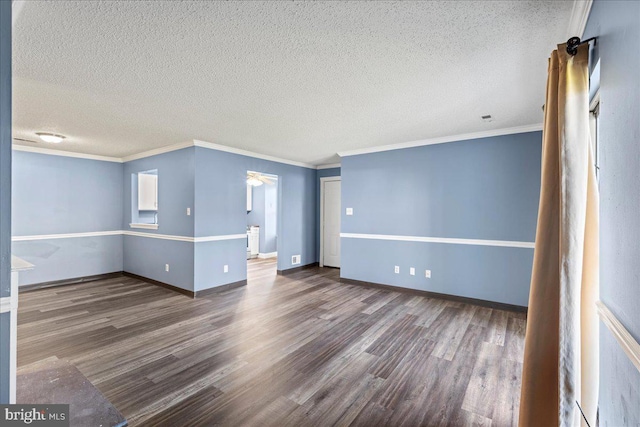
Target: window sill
<point>146,226</point>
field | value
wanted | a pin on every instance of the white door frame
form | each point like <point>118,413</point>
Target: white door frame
<point>322,181</point>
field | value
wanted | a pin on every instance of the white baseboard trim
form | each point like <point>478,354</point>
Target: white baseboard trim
<point>477,242</point>
<point>268,255</point>
<point>629,345</point>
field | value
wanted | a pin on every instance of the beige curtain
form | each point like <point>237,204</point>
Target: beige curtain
<point>560,367</point>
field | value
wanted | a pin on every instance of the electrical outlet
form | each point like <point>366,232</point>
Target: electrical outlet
<point>295,259</point>
<point>226,268</point>
<point>166,267</point>
<point>396,269</point>
<point>427,274</point>
<point>412,271</point>
<point>188,211</point>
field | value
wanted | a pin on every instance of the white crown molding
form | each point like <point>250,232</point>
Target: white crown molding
<point>156,151</point>
<point>328,166</point>
<point>16,8</point>
<point>218,147</point>
<point>579,17</point>
<point>476,242</point>
<point>52,152</point>
<point>629,345</point>
<point>162,150</point>
<point>212,146</point>
<point>444,139</point>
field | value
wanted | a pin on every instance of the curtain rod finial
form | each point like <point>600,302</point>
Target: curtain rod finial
<point>574,42</point>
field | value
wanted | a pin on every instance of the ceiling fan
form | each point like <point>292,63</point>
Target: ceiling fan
<point>256,179</point>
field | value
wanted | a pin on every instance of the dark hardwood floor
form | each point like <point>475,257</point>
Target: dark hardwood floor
<point>294,350</point>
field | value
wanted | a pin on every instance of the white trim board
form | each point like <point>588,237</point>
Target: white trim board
<point>629,345</point>
<point>328,166</point>
<point>477,242</point>
<point>65,236</point>
<point>143,225</point>
<point>156,151</point>
<point>162,150</point>
<point>13,351</point>
<point>8,303</point>
<point>218,238</point>
<point>268,255</point>
<point>212,146</point>
<point>579,16</point>
<point>130,233</point>
<point>444,139</point>
<point>51,152</point>
<point>16,8</point>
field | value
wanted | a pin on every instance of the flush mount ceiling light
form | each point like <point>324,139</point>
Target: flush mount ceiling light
<point>254,181</point>
<point>50,137</point>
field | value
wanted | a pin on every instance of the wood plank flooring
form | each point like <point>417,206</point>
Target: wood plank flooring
<point>294,350</point>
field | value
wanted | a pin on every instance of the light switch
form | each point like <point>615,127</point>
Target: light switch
<point>349,211</point>
<point>412,271</point>
<point>226,268</point>
<point>188,211</point>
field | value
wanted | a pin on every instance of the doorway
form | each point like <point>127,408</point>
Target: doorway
<point>330,191</point>
<point>262,223</point>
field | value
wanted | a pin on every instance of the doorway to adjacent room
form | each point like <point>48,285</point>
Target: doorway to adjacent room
<point>262,222</point>
<point>330,188</point>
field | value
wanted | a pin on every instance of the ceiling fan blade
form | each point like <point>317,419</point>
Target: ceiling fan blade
<point>266,180</point>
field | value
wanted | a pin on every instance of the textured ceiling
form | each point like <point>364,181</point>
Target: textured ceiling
<point>297,80</point>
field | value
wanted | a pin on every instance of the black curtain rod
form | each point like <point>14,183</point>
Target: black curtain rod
<point>574,42</point>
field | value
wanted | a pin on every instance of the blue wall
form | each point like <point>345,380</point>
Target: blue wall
<point>61,195</point>
<point>617,26</point>
<point>478,189</point>
<point>256,215</point>
<point>269,237</point>
<point>264,215</point>
<point>176,171</point>
<point>5,190</point>
<point>213,184</point>
<point>147,256</point>
<point>221,210</point>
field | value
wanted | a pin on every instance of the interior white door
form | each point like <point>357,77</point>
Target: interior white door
<point>331,224</point>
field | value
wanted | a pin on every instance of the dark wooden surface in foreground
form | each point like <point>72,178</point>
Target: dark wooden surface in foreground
<point>302,349</point>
